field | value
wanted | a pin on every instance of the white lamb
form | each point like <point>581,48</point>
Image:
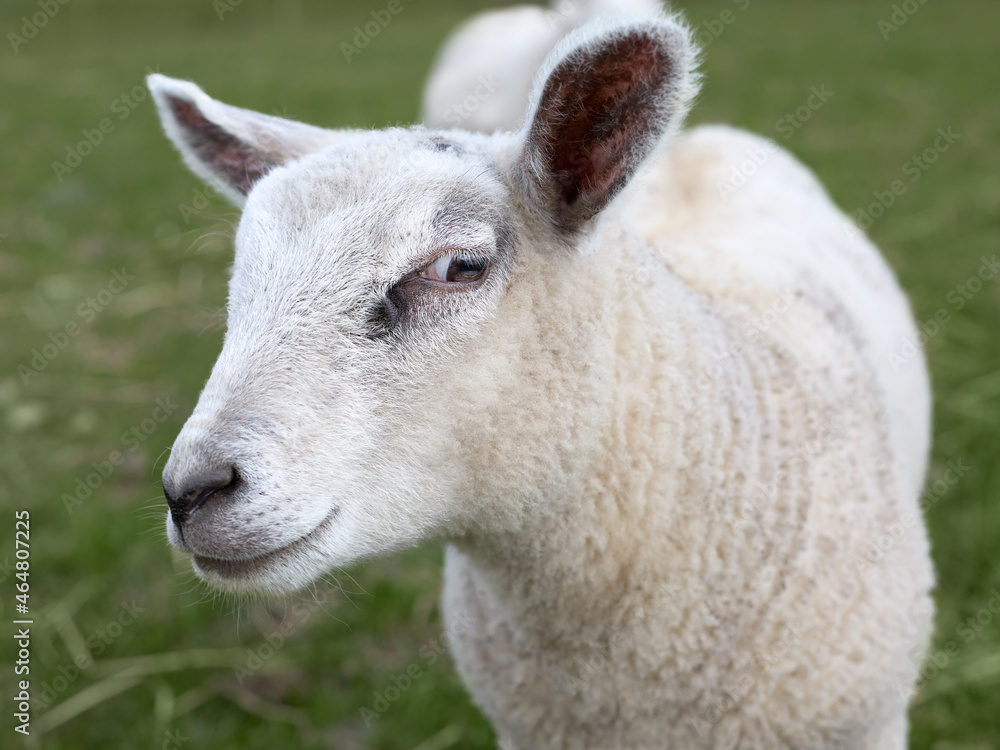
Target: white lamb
<point>656,427</point>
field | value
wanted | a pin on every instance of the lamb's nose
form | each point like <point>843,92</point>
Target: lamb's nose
<point>191,492</point>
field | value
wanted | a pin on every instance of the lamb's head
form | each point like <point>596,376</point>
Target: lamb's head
<point>403,323</point>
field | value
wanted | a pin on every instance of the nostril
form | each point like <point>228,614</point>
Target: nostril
<point>186,496</point>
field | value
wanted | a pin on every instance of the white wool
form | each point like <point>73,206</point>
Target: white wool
<point>659,441</point>
<point>724,604</point>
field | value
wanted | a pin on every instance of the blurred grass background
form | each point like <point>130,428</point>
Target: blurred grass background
<point>130,204</point>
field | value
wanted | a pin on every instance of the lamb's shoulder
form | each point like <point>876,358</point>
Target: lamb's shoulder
<point>740,218</point>
<point>743,222</point>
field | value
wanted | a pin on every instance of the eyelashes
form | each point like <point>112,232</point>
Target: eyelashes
<point>452,271</point>
<point>458,267</point>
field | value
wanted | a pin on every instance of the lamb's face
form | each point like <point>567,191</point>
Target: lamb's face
<point>403,359</point>
<point>327,429</point>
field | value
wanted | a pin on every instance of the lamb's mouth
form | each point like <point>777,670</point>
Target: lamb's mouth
<point>235,568</point>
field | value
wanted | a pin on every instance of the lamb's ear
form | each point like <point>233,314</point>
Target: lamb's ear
<point>611,94</point>
<point>227,146</point>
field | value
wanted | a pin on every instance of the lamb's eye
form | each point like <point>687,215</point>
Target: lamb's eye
<point>456,268</point>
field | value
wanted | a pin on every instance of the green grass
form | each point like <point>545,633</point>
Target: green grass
<point>124,206</point>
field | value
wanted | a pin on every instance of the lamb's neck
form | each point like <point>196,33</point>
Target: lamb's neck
<point>621,529</point>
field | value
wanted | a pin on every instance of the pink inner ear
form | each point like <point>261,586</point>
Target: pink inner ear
<point>226,155</point>
<point>598,169</point>
<point>599,115</point>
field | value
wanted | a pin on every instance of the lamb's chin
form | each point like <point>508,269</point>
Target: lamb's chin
<point>272,577</point>
<point>275,574</point>
<point>281,571</point>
